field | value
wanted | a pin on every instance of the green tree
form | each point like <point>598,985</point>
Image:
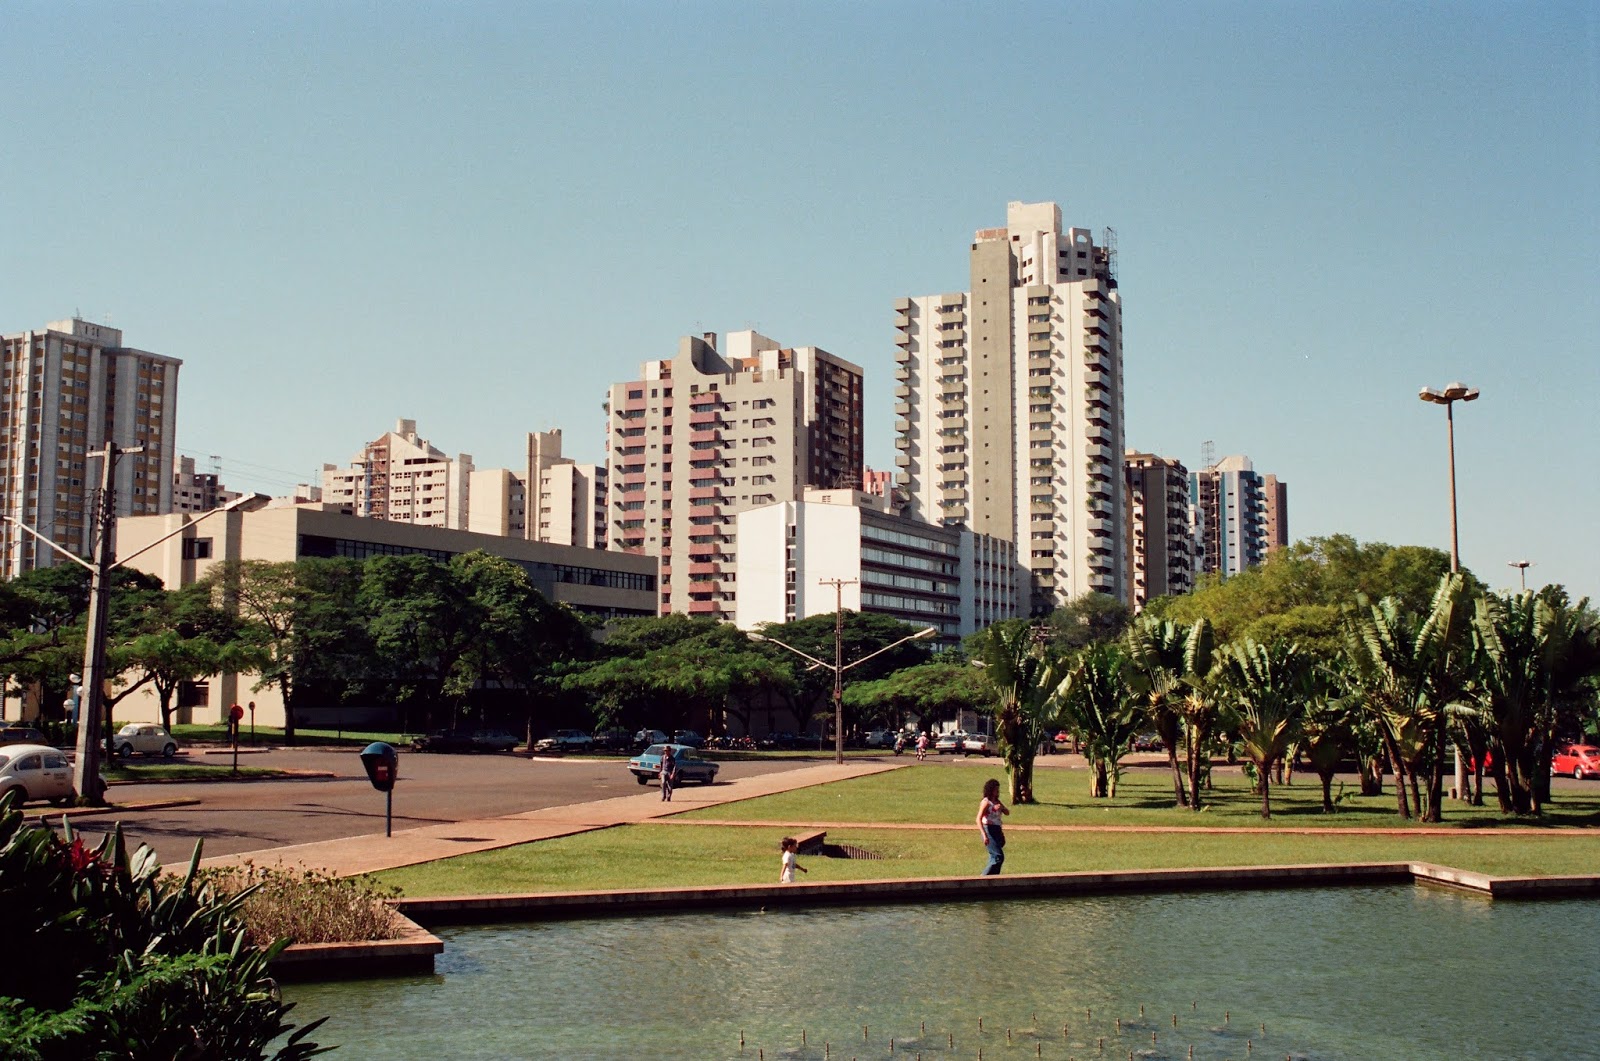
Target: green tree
<point>934,691</point>
<point>1168,661</point>
<point>1022,672</point>
<point>1097,701</point>
<point>864,633</point>
<point>1268,687</point>
<point>183,637</point>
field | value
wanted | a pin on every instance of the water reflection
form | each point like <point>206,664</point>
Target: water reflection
<point>1395,972</point>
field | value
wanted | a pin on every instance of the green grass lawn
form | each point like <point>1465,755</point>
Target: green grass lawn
<point>949,793</point>
<point>669,855</point>
<point>184,772</point>
<point>218,734</point>
<point>658,855</point>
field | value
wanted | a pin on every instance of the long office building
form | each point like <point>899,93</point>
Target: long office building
<point>1010,404</point>
<point>707,434</point>
<point>65,391</point>
<point>604,584</point>
<point>1160,542</point>
<point>792,553</point>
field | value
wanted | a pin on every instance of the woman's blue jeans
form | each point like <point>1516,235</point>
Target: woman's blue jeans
<point>995,844</point>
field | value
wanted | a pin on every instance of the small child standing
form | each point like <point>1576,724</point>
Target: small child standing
<point>790,848</point>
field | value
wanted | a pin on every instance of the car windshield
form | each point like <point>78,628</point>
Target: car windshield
<point>655,749</point>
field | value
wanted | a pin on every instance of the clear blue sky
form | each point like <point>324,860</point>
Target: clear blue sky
<point>479,215</point>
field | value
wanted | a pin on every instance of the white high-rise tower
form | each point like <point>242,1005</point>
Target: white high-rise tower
<point>1009,399</point>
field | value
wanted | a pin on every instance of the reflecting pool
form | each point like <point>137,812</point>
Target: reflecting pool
<point>1394,972</point>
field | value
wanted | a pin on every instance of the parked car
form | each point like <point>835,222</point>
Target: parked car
<point>494,740</point>
<point>1148,742</point>
<point>565,740</point>
<point>951,743</point>
<point>978,744</point>
<point>145,738</point>
<point>17,734</point>
<point>646,766</point>
<point>611,740</point>
<point>646,737</point>
<point>1579,760</point>
<point>781,740</point>
<point>445,740</point>
<point>880,738</point>
<point>688,738</point>
<point>35,771</point>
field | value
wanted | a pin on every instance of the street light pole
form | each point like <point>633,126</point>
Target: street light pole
<point>1452,393</point>
<point>86,766</point>
<point>1522,569</point>
<point>838,585</point>
<point>838,666</point>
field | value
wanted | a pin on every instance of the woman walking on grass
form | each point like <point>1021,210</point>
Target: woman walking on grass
<point>994,837</point>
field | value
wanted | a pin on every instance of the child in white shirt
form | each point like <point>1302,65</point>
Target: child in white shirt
<point>790,848</point>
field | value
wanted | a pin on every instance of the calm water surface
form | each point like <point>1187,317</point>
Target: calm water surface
<point>1397,972</point>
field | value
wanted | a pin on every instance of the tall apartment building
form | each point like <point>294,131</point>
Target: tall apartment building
<point>65,391</point>
<point>1227,512</point>
<point>555,499</point>
<point>707,434</point>
<point>1160,544</point>
<point>1010,404</point>
<point>194,491</point>
<point>1277,512</point>
<point>400,477</point>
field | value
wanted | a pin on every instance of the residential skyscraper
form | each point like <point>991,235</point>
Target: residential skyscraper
<point>1277,512</point>
<point>194,491</point>
<point>65,391</point>
<point>707,434</point>
<point>1160,542</point>
<point>1227,507</point>
<point>1010,404</point>
<point>402,478</point>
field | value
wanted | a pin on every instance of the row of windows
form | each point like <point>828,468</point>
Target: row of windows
<point>569,574</point>
<point>910,541</point>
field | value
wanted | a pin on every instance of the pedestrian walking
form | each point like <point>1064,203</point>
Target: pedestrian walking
<point>669,773</point>
<point>791,862</point>
<point>994,836</point>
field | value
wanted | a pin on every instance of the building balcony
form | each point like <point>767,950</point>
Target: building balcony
<point>1098,453</point>
<point>902,372</point>
<point>708,493</point>
<point>704,607</point>
<point>901,441</point>
<point>704,512</point>
<point>710,567</point>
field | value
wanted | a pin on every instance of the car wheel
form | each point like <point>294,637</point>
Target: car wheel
<point>124,751</point>
<point>1577,773</point>
<point>641,779</point>
<point>22,794</point>
<point>169,751</point>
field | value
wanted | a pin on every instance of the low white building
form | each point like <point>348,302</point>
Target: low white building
<point>791,553</point>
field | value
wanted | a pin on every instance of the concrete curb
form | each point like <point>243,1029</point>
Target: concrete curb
<point>410,952</point>
<point>86,812</point>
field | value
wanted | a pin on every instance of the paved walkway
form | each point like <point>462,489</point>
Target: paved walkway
<point>373,852</point>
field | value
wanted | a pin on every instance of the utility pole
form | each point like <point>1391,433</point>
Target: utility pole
<point>838,585</point>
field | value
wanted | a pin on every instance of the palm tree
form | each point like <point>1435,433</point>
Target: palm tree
<point>1023,673</point>
<point>1410,671</point>
<point>1166,659</point>
<point>1268,687</point>
<point>1097,704</point>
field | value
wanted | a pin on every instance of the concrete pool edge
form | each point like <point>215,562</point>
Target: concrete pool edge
<point>537,906</point>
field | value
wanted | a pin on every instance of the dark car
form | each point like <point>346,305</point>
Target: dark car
<point>688,738</point>
<point>646,766</point>
<point>782,740</point>
<point>446,740</point>
<point>15,734</point>
<point>494,740</point>
<point>611,740</point>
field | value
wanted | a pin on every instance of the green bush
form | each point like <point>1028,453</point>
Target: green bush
<point>306,906</point>
<point>108,958</point>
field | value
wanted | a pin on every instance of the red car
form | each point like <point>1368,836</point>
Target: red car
<point>1579,760</point>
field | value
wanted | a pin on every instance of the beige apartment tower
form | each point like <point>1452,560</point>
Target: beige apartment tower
<point>402,478</point>
<point>710,433</point>
<point>1160,543</point>
<point>1010,404</point>
<point>65,391</point>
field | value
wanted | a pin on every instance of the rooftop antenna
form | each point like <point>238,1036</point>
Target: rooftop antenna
<point>1109,239</point>
<point>1208,454</point>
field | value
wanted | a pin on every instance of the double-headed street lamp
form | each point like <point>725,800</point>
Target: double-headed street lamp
<point>86,767</point>
<point>1452,393</point>
<point>1522,569</point>
<point>838,667</point>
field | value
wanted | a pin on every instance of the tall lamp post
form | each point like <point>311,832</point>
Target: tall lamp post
<point>86,767</point>
<point>1522,569</point>
<point>838,667</point>
<point>1452,393</point>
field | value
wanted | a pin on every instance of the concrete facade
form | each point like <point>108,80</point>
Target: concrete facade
<point>605,584</point>
<point>708,434</point>
<point>66,390</point>
<point>1160,542</point>
<point>1227,513</point>
<point>1276,494</point>
<point>401,478</point>
<point>1009,400</point>
<point>949,578</point>
<point>194,491</point>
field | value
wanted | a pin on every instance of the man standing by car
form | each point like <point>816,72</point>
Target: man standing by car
<point>669,773</point>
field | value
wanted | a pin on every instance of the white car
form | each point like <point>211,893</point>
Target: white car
<point>34,771</point>
<point>978,744</point>
<point>146,738</point>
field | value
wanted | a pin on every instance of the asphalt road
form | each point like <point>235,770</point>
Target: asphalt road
<point>234,817</point>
